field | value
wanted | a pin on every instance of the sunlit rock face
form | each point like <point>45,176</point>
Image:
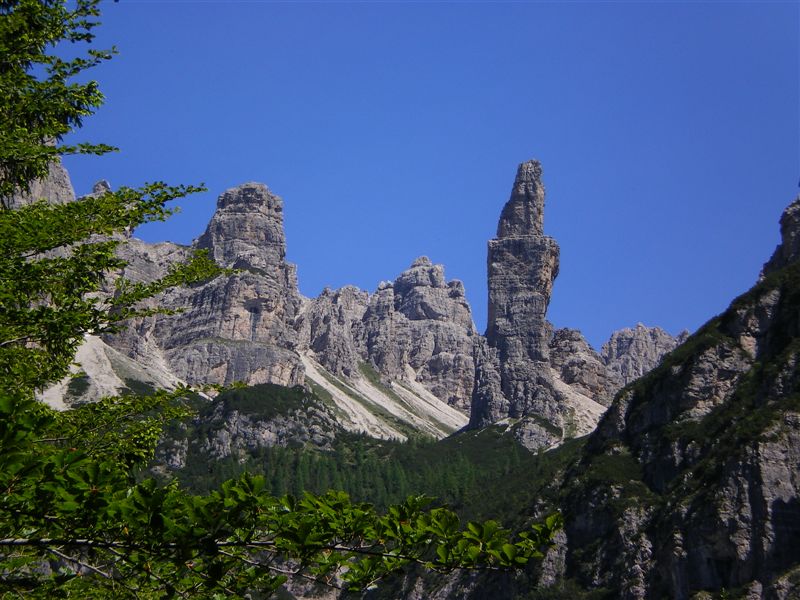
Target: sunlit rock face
<point>252,324</point>
<point>418,328</point>
<point>633,352</point>
<point>238,326</point>
<point>551,384</point>
<point>55,188</point>
<point>424,323</point>
<point>514,378</point>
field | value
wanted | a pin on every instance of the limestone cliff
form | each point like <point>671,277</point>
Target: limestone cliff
<point>417,329</point>
<point>239,326</point>
<point>578,365</point>
<point>252,325</point>
<point>55,188</point>
<point>514,375</point>
<point>691,481</point>
<point>407,348</point>
<point>632,353</point>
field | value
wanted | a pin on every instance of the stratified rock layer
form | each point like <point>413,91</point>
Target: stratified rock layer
<point>418,328</point>
<point>691,480</point>
<point>631,353</point>
<point>514,378</point>
<point>55,188</point>
<point>237,327</point>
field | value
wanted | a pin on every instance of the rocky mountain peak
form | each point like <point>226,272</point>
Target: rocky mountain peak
<point>421,273</point>
<point>513,371</point>
<point>246,231</point>
<point>523,214</point>
<point>631,352</point>
<point>101,187</point>
<point>789,249</point>
<point>422,261</point>
<point>422,292</point>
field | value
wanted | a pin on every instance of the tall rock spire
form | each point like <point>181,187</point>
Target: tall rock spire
<point>246,230</point>
<point>522,265</point>
<point>513,372</point>
<point>523,214</point>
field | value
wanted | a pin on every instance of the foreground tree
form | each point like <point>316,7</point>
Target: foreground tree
<point>76,517</point>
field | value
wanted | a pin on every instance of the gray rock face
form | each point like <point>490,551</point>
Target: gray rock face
<point>631,353</point>
<point>554,381</point>
<point>252,325</point>
<point>237,327</point>
<point>246,232</point>
<point>522,265</point>
<point>56,188</point>
<point>424,322</point>
<point>580,367</point>
<point>418,327</point>
<point>788,250</point>
<point>331,326</point>
<point>709,445</point>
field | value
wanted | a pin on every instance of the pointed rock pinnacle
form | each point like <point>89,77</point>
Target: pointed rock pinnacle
<point>523,214</point>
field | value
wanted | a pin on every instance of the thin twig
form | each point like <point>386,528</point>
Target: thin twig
<point>79,562</point>
<point>289,572</point>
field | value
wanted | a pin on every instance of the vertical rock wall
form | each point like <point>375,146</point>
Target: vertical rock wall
<point>515,377</point>
<point>239,326</point>
<point>418,328</point>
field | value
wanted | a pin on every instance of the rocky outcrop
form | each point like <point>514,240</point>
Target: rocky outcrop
<point>252,325</point>
<point>239,326</point>
<point>418,328</point>
<point>331,328</point>
<point>579,366</point>
<point>423,322</point>
<point>788,250</point>
<point>514,378</point>
<point>246,232</point>
<point>631,353</point>
<point>56,188</point>
<point>691,480</point>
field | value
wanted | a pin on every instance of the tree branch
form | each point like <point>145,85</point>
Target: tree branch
<point>79,562</point>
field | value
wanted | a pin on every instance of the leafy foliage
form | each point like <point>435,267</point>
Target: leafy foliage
<point>39,102</point>
<point>77,519</point>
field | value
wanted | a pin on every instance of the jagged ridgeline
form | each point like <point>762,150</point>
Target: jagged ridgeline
<point>400,362</point>
<point>674,460</point>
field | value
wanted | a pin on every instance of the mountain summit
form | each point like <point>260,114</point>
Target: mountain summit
<point>403,359</point>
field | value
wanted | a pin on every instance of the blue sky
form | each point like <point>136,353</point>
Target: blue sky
<point>668,134</point>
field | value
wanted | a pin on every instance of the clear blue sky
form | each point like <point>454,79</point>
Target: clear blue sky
<point>668,134</point>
